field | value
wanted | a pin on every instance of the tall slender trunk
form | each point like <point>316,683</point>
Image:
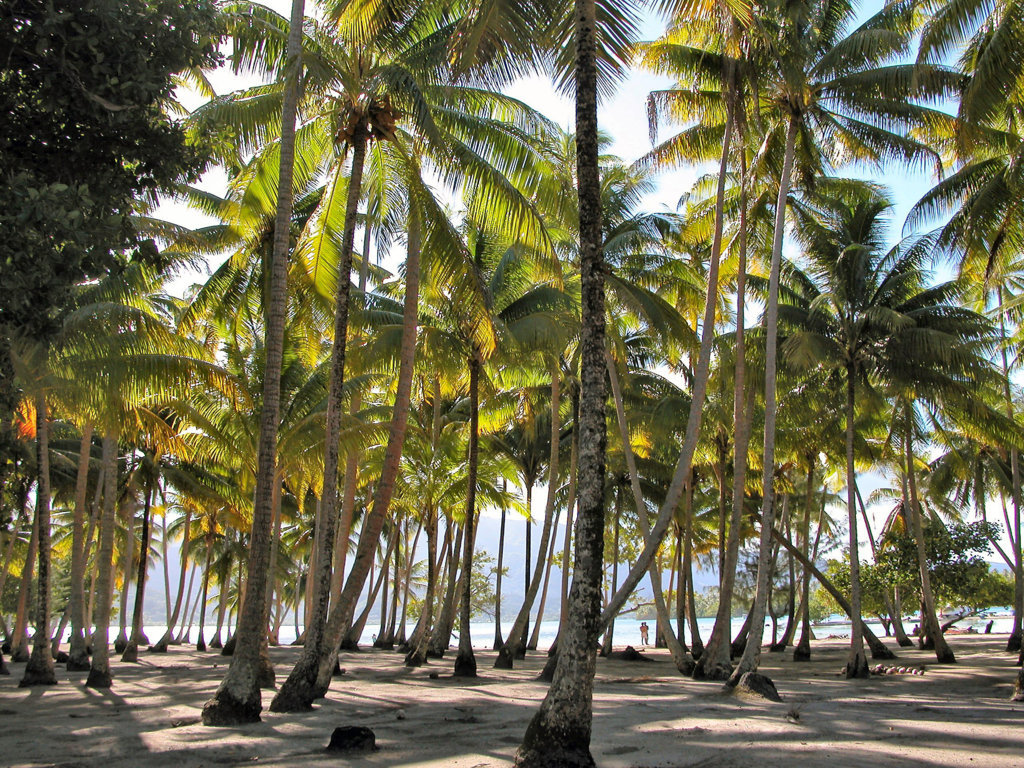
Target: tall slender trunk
<point>696,644</point>
<point>497,587</point>
<point>238,698</point>
<point>99,672</point>
<point>78,655</point>
<point>440,637</point>
<point>535,635</point>
<point>802,651</point>
<point>520,640</point>
<point>681,473</point>
<point>570,508</point>
<point>127,510</point>
<point>465,661</point>
<point>131,651</point>
<point>311,676</point>
<point>752,652</point>
<point>929,622</point>
<point>40,667</point>
<point>1013,642</point>
<point>609,632</point>
<point>857,663</point>
<point>19,641</point>
<point>168,635</point>
<point>201,640</point>
<point>417,654</point>
<point>517,635</point>
<point>559,733</point>
<point>680,657</point>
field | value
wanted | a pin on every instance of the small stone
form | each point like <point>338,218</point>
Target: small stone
<point>352,738</point>
<point>400,714</point>
<point>433,676</point>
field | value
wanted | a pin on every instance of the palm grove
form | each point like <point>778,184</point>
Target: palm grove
<point>704,385</point>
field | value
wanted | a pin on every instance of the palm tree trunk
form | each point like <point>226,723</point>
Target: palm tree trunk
<point>99,672</point>
<point>752,652</point>
<point>802,651</point>
<point>78,655</point>
<point>609,633</point>
<point>131,651</point>
<point>201,641</point>
<point>497,587</point>
<point>465,661</point>
<point>517,635</point>
<point>311,676</point>
<point>680,657</point>
<point>570,508</point>
<point>696,644</point>
<point>519,641</point>
<point>559,733</point>
<point>857,663</point>
<point>929,622</point>
<point>168,635</point>
<point>19,641</point>
<point>40,667</point>
<point>535,635</point>
<point>440,637</point>
<point>238,699</point>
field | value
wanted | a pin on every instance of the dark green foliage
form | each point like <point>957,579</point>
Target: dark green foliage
<point>83,90</point>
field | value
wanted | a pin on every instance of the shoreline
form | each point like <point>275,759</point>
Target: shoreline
<point>645,714</point>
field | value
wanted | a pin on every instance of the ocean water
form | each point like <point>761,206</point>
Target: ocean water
<point>627,630</point>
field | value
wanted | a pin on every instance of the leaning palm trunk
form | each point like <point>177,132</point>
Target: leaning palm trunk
<point>714,661</point>
<point>441,634</point>
<point>802,651</point>
<point>1013,643</point>
<point>929,622</point>
<point>131,651</point>
<point>752,652</point>
<point>78,655</point>
<point>311,676</point>
<point>681,473</point>
<point>165,639</point>
<point>680,656</point>
<point>559,733</point>
<point>516,636</point>
<point>238,699</point>
<point>857,663</point>
<point>465,661</point>
<point>39,670</point>
<point>497,586</point>
<point>201,640</point>
<point>19,641</point>
<point>99,672</point>
<point>535,635</point>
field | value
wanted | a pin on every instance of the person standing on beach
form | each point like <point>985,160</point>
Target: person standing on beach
<point>643,633</point>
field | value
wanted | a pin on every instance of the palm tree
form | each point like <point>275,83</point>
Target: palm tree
<point>237,699</point>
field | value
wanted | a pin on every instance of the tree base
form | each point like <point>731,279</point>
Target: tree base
<point>200,646</point>
<point>225,710</point>
<point>39,670</point>
<point>504,659</point>
<point>295,696</point>
<point>881,652</point>
<point>120,643</point>
<point>465,665</point>
<point>216,642</point>
<point>19,654</point>
<point>548,673</point>
<point>1013,644</point>
<point>265,674</point>
<point>905,642</point>
<point>78,661</point>
<point>131,654</point>
<point>709,671</point>
<point>384,645</point>
<point>546,748</point>
<point>1018,688</point>
<point>802,653</point>
<point>161,646</point>
<point>857,667</point>
<point>415,659</point>
<point>757,686</point>
<point>98,678</point>
<point>229,647</point>
<point>945,656</point>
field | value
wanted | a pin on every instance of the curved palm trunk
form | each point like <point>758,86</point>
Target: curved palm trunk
<point>609,632</point>
<point>168,635</point>
<point>441,634</point>
<point>715,661</point>
<point>417,654</point>
<point>19,641</point>
<point>40,668</point>
<point>752,652</point>
<point>696,644</point>
<point>929,622</point>
<point>535,635</point>
<point>497,587</point>
<point>131,651</point>
<point>681,473</point>
<point>201,641</point>
<point>857,663</point>
<point>311,676</point>
<point>127,511</point>
<point>465,661</point>
<point>99,672</point>
<point>238,699</point>
<point>680,656</point>
<point>1013,642</point>
<point>802,651</point>
<point>517,635</point>
<point>78,655</point>
<point>559,733</point>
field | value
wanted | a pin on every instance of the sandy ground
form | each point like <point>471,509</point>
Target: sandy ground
<point>645,715</point>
